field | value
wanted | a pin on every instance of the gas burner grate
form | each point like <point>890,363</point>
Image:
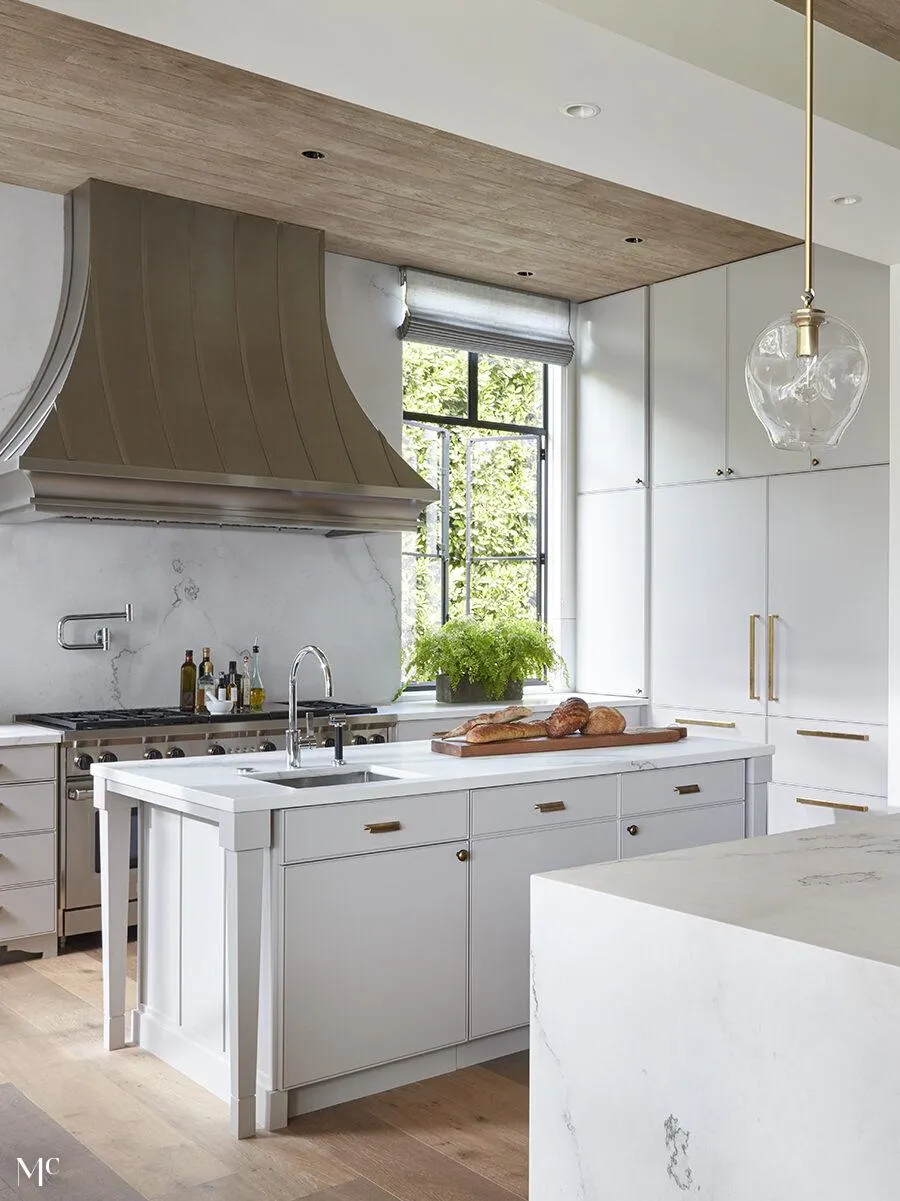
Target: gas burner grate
<point>122,719</point>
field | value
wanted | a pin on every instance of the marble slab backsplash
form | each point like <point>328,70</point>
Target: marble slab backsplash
<point>191,588</point>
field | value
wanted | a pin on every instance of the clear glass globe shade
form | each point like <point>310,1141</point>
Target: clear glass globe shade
<point>806,402</point>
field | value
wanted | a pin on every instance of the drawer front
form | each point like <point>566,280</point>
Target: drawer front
<point>798,807</point>
<point>708,723</point>
<point>27,911</point>
<point>26,858</point>
<point>678,831</point>
<point>682,787</point>
<point>27,807</point>
<point>546,803</point>
<point>21,764</point>
<point>326,831</point>
<point>835,755</point>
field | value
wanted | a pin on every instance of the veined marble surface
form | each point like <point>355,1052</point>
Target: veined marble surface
<point>720,1022</point>
<point>218,784</point>
<point>26,735</point>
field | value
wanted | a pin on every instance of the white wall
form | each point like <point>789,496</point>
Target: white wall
<point>191,587</point>
<point>894,584</point>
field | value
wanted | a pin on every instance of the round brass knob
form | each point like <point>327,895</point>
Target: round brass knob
<point>815,462</point>
<point>632,830</point>
<point>719,471</point>
<point>462,856</point>
<point>729,471</point>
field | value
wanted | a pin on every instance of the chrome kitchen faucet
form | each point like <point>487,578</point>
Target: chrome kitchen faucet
<point>295,741</point>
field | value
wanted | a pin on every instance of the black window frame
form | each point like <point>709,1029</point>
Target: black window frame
<point>475,423</point>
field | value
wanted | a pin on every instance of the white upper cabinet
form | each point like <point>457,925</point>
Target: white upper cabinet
<point>858,291</point>
<point>687,378</point>
<point>828,595</point>
<point>708,579</point>
<point>758,291</point>
<point>612,392</point>
<point>611,572</point>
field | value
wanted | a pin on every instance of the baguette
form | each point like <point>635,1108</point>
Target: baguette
<point>506,731</point>
<point>512,713</point>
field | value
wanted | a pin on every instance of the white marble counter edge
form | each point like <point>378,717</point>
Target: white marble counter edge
<point>413,705</point>
<point>246,795</point>
<point>26,735</point>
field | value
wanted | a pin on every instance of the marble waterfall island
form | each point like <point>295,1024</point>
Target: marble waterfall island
<point>306,937</point>
<point>721,1022</point>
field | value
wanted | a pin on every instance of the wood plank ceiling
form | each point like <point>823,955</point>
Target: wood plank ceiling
<point>78,100</point>
<point>875,23</point>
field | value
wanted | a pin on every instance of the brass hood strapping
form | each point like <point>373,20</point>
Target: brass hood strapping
<point>191,380</point>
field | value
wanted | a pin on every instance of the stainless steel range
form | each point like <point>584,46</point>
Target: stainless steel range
<point>128,734</point>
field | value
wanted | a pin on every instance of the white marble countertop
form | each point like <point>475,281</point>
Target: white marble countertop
<point>834,887</point>
<point>217,783</point>
<point>422,705</point>
<point>25,735</point>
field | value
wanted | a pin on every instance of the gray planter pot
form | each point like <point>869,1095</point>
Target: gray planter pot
<point>469,693</point>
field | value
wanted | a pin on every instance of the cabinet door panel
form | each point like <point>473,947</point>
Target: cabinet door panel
<point>759,290</point>
<point>611,601</point>
<point>828,586</point>
<point>801,807</point>
<point>707,577</point>
<point>687,377</point>
<point>374,960</point>
<point>677,831</point>
<point>501,872</point>
<point>612,391</point>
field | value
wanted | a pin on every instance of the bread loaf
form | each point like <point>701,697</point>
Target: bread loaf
<point>568,718</point>
<point>512,713</point>
<point>506,731</point>
<point>603,720</point>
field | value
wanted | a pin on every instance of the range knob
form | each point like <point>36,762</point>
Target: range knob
<point>83,761</point>
<point>107,757</point>
<point>267,746</point>
<point>153,753</point>
<point>328,742</point>
<point>215,748</point>
<point>175,752</point>
<point>378,738</point>
<point>360,740</point>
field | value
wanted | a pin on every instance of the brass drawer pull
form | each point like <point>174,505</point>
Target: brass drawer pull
<point>833,734</point>
<point>696,721</point>
<point>632,830</point>
<point>754,694</point>
<point>686,789</point>
<point>462,855</point>
<point>382,827</point>
<point>550,806</point>
<point>773,617</point>
<point>802,800</point>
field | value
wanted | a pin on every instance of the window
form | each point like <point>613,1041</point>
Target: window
<point>475,426</point>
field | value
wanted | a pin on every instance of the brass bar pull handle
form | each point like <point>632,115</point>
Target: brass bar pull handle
<point>754,694</point>
<point>686,789</point>
<point>550,806</point>
<point>802,800</point>
<point>382,827</point>
<point>773,617</point>
<point>696,721</point>
<point>833,734</point>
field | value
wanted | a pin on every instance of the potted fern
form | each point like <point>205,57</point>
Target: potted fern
<point>473,661</point>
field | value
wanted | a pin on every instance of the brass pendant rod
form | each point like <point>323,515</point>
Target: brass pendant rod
<point>809,293</point>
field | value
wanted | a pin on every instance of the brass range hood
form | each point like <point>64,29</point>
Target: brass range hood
<point>191,380</point>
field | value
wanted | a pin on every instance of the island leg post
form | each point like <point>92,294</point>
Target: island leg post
<point>244,838</point>
<point>115,865</point>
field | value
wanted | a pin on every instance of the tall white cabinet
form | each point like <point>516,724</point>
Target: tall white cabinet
<point>763,572</point>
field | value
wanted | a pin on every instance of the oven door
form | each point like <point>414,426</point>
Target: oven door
<point>81,880</point>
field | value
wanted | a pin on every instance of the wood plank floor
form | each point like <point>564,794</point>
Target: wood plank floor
<point>460,1137</point>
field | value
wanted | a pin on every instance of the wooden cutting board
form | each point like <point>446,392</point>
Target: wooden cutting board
<point>639,736</point>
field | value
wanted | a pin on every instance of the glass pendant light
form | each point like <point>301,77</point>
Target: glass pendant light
<point>806,372</point>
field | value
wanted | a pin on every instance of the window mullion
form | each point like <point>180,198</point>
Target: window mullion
<point>473,386</point>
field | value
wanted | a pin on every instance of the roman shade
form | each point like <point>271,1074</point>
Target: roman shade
<point>484,318</point>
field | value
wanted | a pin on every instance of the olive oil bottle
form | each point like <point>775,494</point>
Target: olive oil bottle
<point>257,692</point>
<point>206,681</point>
<point>188,689</point>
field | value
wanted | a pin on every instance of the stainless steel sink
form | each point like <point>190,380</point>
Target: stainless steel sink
<point>324,778</point>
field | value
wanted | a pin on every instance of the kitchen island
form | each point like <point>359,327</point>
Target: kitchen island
<point>720,1022</point>
<point>311,936</point>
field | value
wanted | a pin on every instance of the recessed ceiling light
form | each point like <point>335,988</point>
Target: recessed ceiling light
<point>581,110</point>
<point>313,153</point>
<point>845,200</point>
<point>525,274</point>
<point>633,240</point>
